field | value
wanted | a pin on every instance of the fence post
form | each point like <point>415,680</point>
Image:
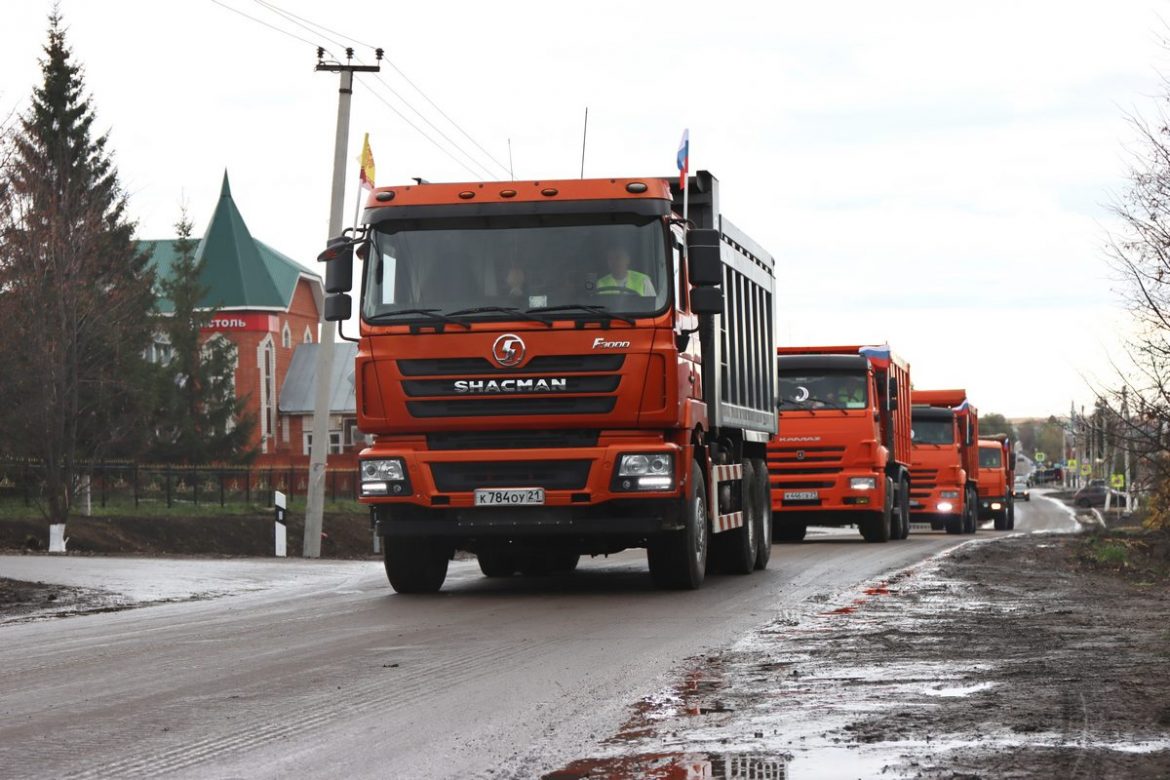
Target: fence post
<point>248,485</point>
<point>221,497</point>
<point>195,484</point>
<point>135,484</point>
<point>105,474</point>
<point>167,479</point>
<point>272,483</point>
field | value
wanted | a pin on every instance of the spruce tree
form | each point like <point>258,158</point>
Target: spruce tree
<point>77,294</point>
<point>200,419</point>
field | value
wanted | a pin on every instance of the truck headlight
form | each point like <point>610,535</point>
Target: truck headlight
<point>948,494</point>
<point>657,464</point>
<point>384,477</point>
<point>945,506</point>
<point>645,471</point>
<point>862,483</point>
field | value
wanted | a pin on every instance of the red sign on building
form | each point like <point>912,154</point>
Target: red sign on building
<point>240,322</point>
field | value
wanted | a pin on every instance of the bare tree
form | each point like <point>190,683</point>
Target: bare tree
<point>75,294</point>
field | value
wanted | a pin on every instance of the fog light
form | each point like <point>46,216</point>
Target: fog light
<point>374,488</point>
<point>945,506</point>
<point>996,505</point>
<point>862,483</point>
<point>654,483</point>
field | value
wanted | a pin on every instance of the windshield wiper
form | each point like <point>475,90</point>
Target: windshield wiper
<point>599,311</point>
<point>428,313</point>
<point>501,310</point>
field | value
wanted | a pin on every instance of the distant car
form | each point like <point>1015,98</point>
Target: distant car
<point>1094,495</point>
<point>1020,490</point>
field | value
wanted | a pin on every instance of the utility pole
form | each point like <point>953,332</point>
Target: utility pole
<point>319,447</point>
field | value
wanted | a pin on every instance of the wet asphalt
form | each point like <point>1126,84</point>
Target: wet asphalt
<point>255,668</point>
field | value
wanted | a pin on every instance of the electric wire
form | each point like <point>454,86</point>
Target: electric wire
<point>319,28</point>
<point>269,26</point>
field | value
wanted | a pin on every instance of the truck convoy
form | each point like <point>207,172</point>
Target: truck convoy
<point>944,469</point>
<point>997,476</point>
<point>843,453</point>
<point>553,369</point>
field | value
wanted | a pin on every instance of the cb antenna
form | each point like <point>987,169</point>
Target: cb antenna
<point>584,137</point>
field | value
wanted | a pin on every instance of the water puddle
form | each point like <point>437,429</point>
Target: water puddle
<point>827,764</point>
<point>959,692</point>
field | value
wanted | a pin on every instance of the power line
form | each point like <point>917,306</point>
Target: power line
<point>397,70</point>
<point>266,24</point>
<point>404,118</point>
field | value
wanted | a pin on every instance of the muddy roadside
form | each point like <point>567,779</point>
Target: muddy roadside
<point>21,601</point>
<point>1026,656</point>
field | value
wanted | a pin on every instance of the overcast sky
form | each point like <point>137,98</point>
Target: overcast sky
<point>935,175</point>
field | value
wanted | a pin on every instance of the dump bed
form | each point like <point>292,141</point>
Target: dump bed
<point>738,371</point>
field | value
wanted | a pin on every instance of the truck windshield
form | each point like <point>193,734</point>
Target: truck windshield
<point>990,459</point>
<point>823,390</point>
<point>491,267</point>
<point>934,431</point>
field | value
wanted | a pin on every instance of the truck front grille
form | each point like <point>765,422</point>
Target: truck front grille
<point>511,440</point>
<point>547,474</point>
<point>797,461</point>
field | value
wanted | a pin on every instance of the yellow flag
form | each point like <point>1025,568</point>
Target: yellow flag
<point>367,164</point>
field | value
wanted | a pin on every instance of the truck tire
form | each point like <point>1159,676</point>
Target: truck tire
<point>1001,520</point>
<point>957,525</point>
<point>763,515</point>
<point>416,564</point>
<point>971,517</point>
<point>678,559</point>
<point>902,509</point>
<point>788,532</point>
<point>1011,516</point>
<point>735,550</point>
<point>877,527</point>
<point>496,563</point>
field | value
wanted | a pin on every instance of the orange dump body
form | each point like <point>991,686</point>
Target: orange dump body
<point>832,461</point>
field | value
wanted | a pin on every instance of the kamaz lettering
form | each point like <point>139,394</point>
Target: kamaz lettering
<point>511,385</point>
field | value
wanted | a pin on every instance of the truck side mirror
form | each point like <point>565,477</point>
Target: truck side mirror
<point>338,259</point>
<point>706,300</point>
<point>704,265</point>
<point>338,307</point>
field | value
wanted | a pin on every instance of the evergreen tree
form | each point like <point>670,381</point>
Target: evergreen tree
<point>76,293</point>
<point>199,418</point>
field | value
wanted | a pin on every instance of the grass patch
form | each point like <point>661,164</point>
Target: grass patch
<point>1111,554</point>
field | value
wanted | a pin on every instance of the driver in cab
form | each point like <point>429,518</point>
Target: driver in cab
<point>621,277</point>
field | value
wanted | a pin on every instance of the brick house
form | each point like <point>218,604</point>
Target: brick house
<point>268,306</point>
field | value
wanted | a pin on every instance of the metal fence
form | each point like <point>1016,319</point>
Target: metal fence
<point>112,485</point>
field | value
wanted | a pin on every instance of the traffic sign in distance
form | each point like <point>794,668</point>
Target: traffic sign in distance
<point>1117,481</point>
<point>1040,457</point>
<point>1086,469</point>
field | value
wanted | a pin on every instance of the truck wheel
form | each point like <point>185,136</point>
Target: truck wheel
<point>735,550</point>
<point>1001,520</point>
<point>763,515</point>
<point>971,518</point>
<point>416,564</point>
<point>902,509</point>
<point>495,563</point>
<point>678,559</point>
<point>1011,516</point>
<point>787,532</point>
<point>957,525</point>
<point>878,526</point>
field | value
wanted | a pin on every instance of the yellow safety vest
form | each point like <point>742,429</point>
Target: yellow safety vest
<point>635,280</point>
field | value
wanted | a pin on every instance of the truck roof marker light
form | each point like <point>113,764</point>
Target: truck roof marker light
<point>549,192</point>
<point>384,197</point>
<point>636,187</point>
<point>507,193</point>
<point>467,194</point>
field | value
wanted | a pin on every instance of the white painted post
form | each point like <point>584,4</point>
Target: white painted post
<point>57,540</point>
<point>281,529</point>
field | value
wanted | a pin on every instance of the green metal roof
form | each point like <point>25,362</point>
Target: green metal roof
<point>240,272</point>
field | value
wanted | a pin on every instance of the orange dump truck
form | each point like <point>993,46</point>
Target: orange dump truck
<point>944,470</point>
<point>842,456</point>
<point>561,368</point>
<point>997,472</point>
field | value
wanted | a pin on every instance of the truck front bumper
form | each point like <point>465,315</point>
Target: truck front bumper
<point>827,500</point>
<point>627,518</point>
<point>991,506</point>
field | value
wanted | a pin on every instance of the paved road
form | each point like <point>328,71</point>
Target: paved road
<point>319,670</point>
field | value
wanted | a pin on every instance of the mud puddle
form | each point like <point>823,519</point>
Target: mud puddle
<point>1004,659</point>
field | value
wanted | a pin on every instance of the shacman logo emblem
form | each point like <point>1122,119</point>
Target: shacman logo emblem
<point>508,350</point>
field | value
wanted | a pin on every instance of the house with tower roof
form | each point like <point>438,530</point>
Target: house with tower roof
<point>268,306</point>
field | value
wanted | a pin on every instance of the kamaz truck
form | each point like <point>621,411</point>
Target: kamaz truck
<point>944,469</point>
<point>842,456</point>
<point>553,369</point>
<point>997,476</point>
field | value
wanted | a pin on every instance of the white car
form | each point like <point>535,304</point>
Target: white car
<point>1020,490</point>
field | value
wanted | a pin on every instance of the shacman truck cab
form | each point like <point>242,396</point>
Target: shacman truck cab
<point>944,471</point>
<point>997,473</point>
<point>842,456</point>
<point>553,369</point>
